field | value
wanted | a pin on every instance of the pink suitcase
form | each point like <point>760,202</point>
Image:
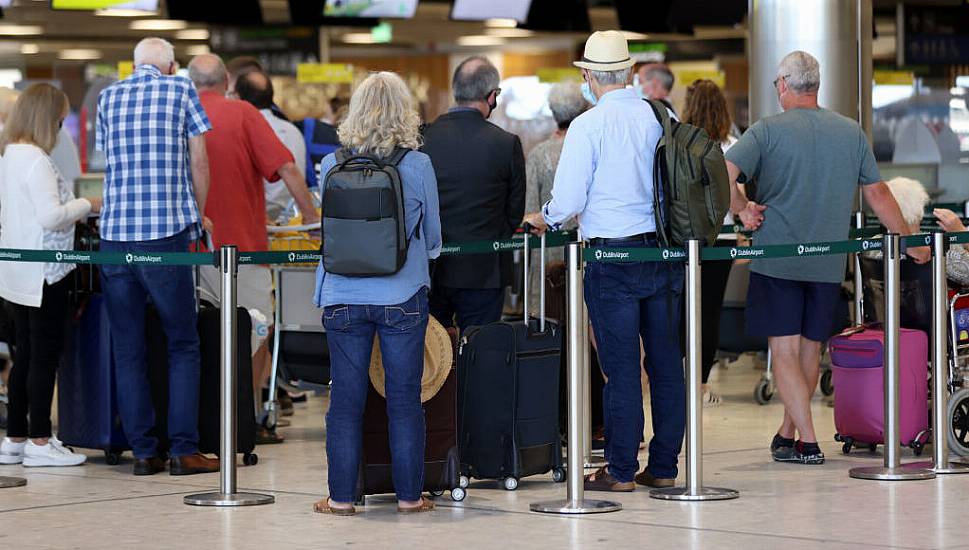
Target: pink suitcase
<point>857,365</point>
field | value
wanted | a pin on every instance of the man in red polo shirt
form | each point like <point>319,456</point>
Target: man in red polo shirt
<point>243,151</point>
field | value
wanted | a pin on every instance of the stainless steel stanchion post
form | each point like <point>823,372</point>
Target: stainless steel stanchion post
<point>575,503</point>
<point>227,495</point>
<point>694,489</point>
<point>10,482</point>
<point>859,282</point>
<point>940,373</point>
<point>893,469</point>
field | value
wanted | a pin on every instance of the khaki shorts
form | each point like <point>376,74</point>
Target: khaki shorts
<point>254,290</point>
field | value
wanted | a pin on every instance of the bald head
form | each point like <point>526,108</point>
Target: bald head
<point>255,87</point>
<point>208,73</point>
<point>474,80</point>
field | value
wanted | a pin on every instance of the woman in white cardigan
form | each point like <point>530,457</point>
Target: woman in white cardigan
<point>37,212</point>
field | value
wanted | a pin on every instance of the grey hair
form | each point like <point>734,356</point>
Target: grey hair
<point>154,51</point>
<point>207,71</point>
<point>801,71</point>
<point>566,102</point>
<point>661,74</point>
<point>474,79</point>
<point>610,78</point>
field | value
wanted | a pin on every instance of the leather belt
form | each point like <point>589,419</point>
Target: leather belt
<point>599,241</point>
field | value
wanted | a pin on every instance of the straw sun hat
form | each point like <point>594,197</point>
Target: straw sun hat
<point>438,357</point>
<point>606,51</point>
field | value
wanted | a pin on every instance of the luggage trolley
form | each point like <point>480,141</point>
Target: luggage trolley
<point>299,352</point>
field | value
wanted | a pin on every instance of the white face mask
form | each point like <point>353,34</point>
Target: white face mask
<point>638,86</point>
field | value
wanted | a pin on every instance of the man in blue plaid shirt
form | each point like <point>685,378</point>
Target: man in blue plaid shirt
<point>150,127</point>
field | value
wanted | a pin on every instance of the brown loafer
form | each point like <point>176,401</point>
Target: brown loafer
<point>647,479</point>
<point>192,464</point>
<point>148,466</point>
<point>602,480</point>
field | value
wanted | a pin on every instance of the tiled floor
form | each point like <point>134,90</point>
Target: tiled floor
<point>781,506</point>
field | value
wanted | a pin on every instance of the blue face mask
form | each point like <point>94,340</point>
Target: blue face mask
<point>637,85</point>
<point>588,95</point>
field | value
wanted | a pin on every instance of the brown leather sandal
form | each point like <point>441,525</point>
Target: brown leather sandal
<point>602,480</point>
<point>323,507</point>
<point>424,506</point>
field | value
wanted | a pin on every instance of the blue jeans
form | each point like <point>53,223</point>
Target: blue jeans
<point>629,301</point>
<point>127,290</point>
<point>470,307</point>
<point>350,331</point>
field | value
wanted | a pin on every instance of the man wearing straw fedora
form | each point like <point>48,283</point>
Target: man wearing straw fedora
<point>605,177</point>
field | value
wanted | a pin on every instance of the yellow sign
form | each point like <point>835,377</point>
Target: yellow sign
<point>324,73</point>
<point>86,4</point>
<point>125,69</point>
<point>898,78</point>
<point>688,76</point>
<point>553,75</point>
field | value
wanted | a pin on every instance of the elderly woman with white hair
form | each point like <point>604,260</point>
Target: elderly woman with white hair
<point>566,102</point>
<point>381,121</point>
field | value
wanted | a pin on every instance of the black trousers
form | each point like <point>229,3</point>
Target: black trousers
<point>715,275</point>
<point>40,341</point>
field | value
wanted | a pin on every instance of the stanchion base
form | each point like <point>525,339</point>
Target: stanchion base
<point>10,482</point>
<point>584,506</point>
<point>950,468</point>
<point>589,464</point>
<point>703,493</point>
<point>235,499</point>
<point>881,473</point>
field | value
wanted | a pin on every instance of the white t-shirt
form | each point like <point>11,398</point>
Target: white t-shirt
<point>278,197</point>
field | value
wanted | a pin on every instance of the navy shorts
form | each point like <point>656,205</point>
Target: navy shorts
<point>781,307</point>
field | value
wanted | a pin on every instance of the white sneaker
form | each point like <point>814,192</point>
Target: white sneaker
<point>52,454</point>
<point>11,452</point>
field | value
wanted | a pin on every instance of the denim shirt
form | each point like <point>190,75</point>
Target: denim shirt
<point>420,197</point>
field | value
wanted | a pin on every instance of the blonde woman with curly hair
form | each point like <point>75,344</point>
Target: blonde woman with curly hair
<point>381,119</point>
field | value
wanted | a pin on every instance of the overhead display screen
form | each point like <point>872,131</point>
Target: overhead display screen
<point>480,10</point>
<point>402,9</point>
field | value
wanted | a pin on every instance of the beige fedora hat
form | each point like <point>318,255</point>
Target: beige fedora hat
<point>606,51</point>
<point>438,360</point>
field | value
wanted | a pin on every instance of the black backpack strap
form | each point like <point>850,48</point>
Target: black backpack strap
<point>342,155</point>
<point>397,156</point>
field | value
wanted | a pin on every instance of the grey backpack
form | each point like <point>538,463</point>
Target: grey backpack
<point>364,233</point>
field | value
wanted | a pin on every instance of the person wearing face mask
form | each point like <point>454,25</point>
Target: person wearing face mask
<point>480,172</point>
<point>655,81</point>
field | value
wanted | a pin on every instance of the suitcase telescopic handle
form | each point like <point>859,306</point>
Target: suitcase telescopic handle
<point>541,293</point>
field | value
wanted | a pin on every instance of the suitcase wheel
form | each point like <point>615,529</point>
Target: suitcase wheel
<point>827,386</point>
<point>510,483</point>
<point>250,459</point>
<point>112,458</point>
<point>463,482</point>
<point>558,475</point>
<point>362,501</point>
<point>458,494</point>
<point>848,444</point>
<point>436,494</point>
<point>763,392</point>
<point>917,447</point>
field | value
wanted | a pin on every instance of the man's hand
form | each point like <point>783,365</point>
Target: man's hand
<point>537,221</point>
<point>207,225</point>
<point>948,220</point>
<point>752,215</point>
<point>919,254</point>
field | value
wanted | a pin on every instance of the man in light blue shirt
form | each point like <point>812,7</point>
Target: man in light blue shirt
<point>605,177</point>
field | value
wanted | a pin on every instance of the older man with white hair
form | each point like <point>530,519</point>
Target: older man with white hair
<point>808,163</point>
<point>605,177</point>
<point>150,127</point>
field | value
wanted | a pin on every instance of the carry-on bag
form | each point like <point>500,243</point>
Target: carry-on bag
<point>857,363</point>
<point>508,399</point>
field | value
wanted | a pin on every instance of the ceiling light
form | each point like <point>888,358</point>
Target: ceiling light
<point>358,38</point>
<point>121,12</point>
<point>200,49</point>
<point>501,23</point>
<point>480,40</point>
<point>158,25</point>
<point>79,54</point>
<point>29,49</point>
<point>510,33</point>
<point>192,34</point>
<point>21,30</point>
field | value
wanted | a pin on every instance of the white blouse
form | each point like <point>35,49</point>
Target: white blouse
<point>37,212</point>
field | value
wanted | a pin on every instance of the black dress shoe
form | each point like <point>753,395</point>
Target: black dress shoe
<point>149,466</point>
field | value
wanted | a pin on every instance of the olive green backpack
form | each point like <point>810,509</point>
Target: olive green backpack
<point>695,187</point>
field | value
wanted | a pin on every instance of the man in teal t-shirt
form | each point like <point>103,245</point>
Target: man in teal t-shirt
<point>807,163</point>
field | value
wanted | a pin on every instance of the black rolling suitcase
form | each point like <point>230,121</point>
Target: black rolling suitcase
<point>441,461</point>
<point>508,400</point>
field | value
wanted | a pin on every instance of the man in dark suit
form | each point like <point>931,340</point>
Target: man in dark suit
<point>480,172</point>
